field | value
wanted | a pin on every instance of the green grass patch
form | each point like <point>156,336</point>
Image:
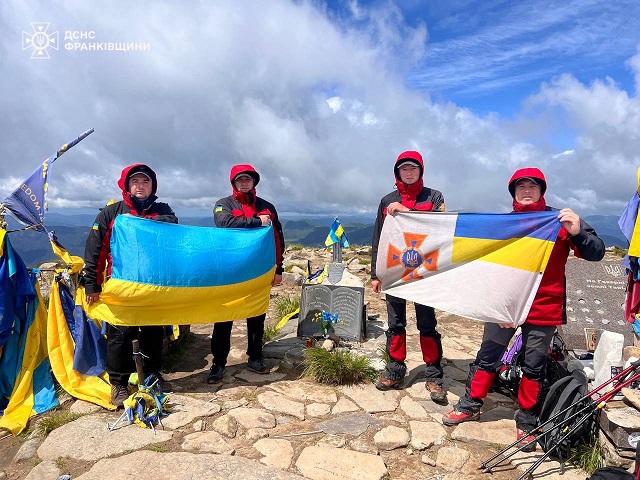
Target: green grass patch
<point>619,252</point>
<point>270,332</point>
<point>294,247</point>
<point>382,352</point>
<point>158,447</point>
<point>338,367</point>
<point>589,456</point>
<point>57,419</point>
<point>285,305</point>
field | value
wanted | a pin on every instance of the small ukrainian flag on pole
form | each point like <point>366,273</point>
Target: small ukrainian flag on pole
<point>336,234</point>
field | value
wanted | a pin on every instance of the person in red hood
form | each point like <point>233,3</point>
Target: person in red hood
<point>139,185</point>
<point>244,209</point>
<point>411,194</point>
<point>527,187</point>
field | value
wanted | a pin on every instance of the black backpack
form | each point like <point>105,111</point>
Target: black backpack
<point>566,392</point>
<point>611,473</point>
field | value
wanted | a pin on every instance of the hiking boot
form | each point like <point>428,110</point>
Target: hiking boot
<point>164,385</point>
<point>119,394</point>
<point>438,393</point>
<point>257,366</point>
<point>455,417</point>
<point>215,374</point>
<point>527,441</point>
<point>384,384</point>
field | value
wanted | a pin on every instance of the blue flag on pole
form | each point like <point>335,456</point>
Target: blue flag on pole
<point>28,203</point>
<point>336,234</point>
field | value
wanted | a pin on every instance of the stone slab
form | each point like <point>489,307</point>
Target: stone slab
<point>183,466</point>
<point>595,301</point>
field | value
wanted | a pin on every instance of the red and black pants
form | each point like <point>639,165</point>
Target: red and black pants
<point>536,340</point>
<point>397,340</point>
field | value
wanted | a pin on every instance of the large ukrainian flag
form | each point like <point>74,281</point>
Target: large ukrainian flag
<point>482,266</point>
<point>26,385</point>
<point>166,274</point>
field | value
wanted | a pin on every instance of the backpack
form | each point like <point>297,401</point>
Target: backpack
<point>509,374</point>
<point>566,392</point>
<point>611,473</point>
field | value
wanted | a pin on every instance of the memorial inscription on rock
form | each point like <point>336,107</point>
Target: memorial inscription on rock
<point>346,301</point>
<point>595,301</point>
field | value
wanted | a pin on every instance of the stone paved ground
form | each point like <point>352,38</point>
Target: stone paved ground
<point>281,426</point>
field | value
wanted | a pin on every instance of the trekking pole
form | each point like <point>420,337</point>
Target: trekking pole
<point>539,433</point>
<point>528,473</point>
<point>137,358</point>
<point>596,408</point>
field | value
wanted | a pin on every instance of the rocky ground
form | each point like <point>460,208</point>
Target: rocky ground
<point>282,426</point>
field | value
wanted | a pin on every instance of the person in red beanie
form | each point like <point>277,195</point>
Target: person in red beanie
<point>244,209</point>
<point>410,194</point>
<point>139,185</point>
<point>527,186</point>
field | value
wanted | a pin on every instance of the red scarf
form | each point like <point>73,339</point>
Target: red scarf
<point>409,193</point>
<point>248,202</point>
<point>539,206</point>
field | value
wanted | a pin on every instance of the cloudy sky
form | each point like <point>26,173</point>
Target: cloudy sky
<point>322,97</point>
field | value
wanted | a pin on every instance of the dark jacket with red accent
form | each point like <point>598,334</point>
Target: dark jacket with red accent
<point>241,211</point>
<point>549,304</point>
<point>426,201</point>
<point>97,252</point>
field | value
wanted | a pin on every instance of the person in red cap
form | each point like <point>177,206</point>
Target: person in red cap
<point>244,209</point>
<point>410,194</point>
<point>139,185</point>
<point>527,186</point>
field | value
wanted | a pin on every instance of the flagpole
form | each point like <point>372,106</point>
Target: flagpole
<point>27,205</point>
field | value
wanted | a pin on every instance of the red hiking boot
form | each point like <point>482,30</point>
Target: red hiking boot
<point>526,440</point>
<point>455,417</point>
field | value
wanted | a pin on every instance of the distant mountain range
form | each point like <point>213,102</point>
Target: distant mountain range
<point>72,231</point>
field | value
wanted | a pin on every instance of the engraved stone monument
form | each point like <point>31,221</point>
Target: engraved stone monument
<point>340,293</point>
<point>595,301</point>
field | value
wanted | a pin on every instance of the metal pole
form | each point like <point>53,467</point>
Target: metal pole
<point>137,358</point>
<point>337,252</point>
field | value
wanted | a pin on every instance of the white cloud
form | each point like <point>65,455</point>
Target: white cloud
<point>316,102</point>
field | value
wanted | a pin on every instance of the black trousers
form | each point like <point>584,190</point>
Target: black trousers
<point>120,363</point>
<point>221,339</point>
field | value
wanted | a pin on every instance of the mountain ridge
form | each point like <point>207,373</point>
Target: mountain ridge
<point>72,231</point>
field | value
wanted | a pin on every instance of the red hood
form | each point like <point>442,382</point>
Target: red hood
<point>529,172</point>
<point>244,168</point>
<point>126,174</point>
<point>408,155</point>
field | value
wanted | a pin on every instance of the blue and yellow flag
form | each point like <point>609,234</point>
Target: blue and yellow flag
<point>169,274</point>
<point>336,234</point>
<point>77,350</point>
<point>25,375</point>
<point>28,203</point>
<point>482,266</point>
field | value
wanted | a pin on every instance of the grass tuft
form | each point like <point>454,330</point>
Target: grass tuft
<point>285,305</point>
<point>59,418</point>
<point>270,332</point>
<point>619,252</point>
<point>588,457</point>
<point>339,367</point>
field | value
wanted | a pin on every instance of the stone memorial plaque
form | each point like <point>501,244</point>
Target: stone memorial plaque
<point>335,271</point>
<point>346,301</point>
<point>595,301</point>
